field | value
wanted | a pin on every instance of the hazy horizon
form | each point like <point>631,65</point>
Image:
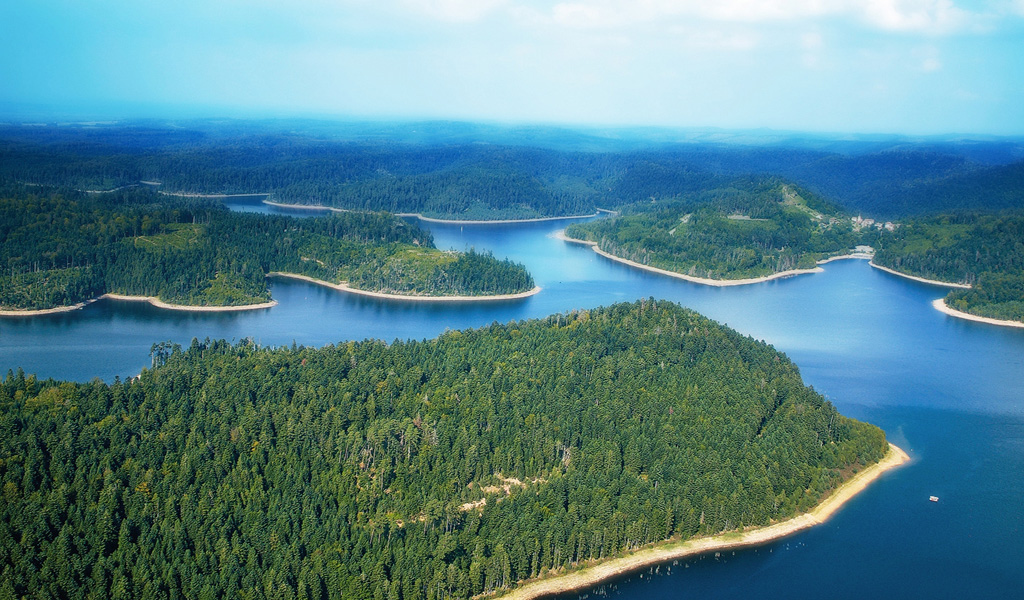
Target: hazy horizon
<point>905,67</point>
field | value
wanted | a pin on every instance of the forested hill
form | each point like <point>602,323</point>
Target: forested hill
<point>468,181</point>
<point>983,250</point>
<point>745,229</point>
<point>60,250</point>
<point>423,469</point>
<point>446,172</point>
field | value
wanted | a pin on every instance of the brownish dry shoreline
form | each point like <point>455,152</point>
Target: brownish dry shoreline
<point>590,576</point>
<point>351,290</point>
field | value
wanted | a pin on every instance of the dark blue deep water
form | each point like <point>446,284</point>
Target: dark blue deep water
<point>949,392</point>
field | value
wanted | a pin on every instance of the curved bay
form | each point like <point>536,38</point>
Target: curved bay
<point>950,392</point>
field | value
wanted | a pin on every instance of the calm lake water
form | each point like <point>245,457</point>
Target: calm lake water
<point>949,392</point>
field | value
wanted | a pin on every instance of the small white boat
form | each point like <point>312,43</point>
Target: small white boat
<point>933,498</point>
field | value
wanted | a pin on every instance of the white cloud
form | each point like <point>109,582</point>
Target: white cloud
<point>812,44</point>
<point>928,59</point>
<point>455,11</point>
<point>812,41</point>
<point>583,15</point>
<point>930,16</point>
<point>923,16</point>
<point>710,39</point>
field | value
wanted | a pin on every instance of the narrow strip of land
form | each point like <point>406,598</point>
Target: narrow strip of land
<point>921,279</point>
<point>406,297</point>
<point>853,255</point>
<point>185,307</point>
<point>431,219</point>
<point>198,195</point>
<point>337,286</point>
<point>43,311</point>
<point>940,305</point>
<point>666,551</point>
<point>701,280</point>
<point>496,221</point>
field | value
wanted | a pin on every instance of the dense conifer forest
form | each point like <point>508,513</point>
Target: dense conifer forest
<point>57,250</point>
<point>747,228</point>
<point>441,170</point>
<point>431,469</point>
<point>983,250</point>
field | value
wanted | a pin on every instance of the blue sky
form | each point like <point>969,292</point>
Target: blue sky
<point>878,66</point>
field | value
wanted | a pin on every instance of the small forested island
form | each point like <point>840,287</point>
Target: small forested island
<point>450,467</point>
<point>58,250</point>
<point>983,251</point>
<point>746,230</point>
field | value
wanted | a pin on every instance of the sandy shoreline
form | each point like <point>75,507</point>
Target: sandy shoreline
<point>920,279</point>
<point>855,255</point>
<point>183,307</point>
<point>197,195</point>
<point>701,280</point>
<point>495,222</point>
<point>345,288</point>
<point>45,311</point>
<point>151,299</point>
<point>666,551</point>
<point>940,305</point>
<point>430,219</point>
<point>338,286</point>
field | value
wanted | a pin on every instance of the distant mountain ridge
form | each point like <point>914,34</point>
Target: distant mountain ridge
<point>493,171</point>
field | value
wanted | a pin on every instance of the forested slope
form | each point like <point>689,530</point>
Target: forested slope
<point>59,250</point>
<point>406,169</point>
<point>744,229</point>
<point>983,250</point>
<point>443,468</point>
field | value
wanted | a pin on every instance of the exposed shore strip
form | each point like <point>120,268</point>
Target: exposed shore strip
<point>198,195</point>
<point>337,286</point>
<point>701,280</point>
<point>940,305</point>
<point>666,551</point>
<point>44,311</point>
<point>430,219</point>
<point>151,299</point>
<point>495,222</point>
<point>405,297</point>
<point>921,279</point>
<point>186,308</point>
<point>853,255</point>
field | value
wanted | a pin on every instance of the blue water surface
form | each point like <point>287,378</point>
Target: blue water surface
<point>949,392</point>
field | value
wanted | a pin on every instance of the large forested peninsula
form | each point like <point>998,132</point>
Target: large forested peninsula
<point>58,250</point>
<point>424,469</point>
<point>747,229</point>
<point>985,251</point>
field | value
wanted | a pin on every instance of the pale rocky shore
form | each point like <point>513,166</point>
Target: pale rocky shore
<point>659,553</point>
<point>940,305</point>
<point>703,280</point>
<point>406,297</point>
